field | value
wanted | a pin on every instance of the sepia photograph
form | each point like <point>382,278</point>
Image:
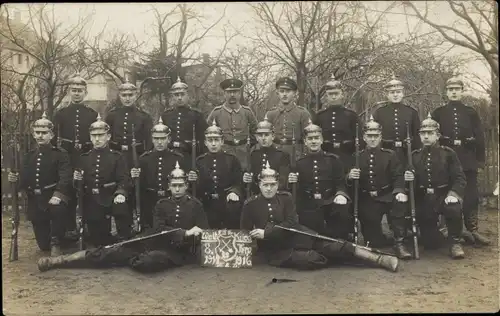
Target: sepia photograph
<point>276,157</point>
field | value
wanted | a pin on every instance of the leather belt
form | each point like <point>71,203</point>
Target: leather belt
<point>394,143</point>
<point>38,191</point>
<point>106,185</point>
<point>338,144</point>
<point>456,142</point>
<point>284,141</point>
<point>433,190</point>
<point>158,192</point>
<point>77,144</point>
<point>235,142</point>
<point>125,147</point>
<point>381,192</point>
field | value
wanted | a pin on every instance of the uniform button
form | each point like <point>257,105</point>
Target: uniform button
<point>160,158</point>
<point>215,177</point>
<point>265,155</point>
<point>37,180</point>
<point>37,175</point>
<point>159,174</point>
<point>176,215</point>
<point>159,168</point>
<point>371,166</point>
<point>315,167</point>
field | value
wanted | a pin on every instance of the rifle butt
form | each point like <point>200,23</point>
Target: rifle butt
<point>14,249</point>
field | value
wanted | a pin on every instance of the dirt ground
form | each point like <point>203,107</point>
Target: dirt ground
<point>435,283</point>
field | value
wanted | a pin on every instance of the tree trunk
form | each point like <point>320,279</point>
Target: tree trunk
<point>301,85</point>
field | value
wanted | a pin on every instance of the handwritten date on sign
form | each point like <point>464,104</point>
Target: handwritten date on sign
<point>226,248</point>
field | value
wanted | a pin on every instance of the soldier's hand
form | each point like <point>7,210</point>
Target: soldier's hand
<point>247,177</point>
<point>293,177</point>
<point>13,177</point>
<point>409,176</point>
<point>119,199</point>
<point>257,233</point>
<point>401,197</point>
<point>135,172</point>
<point>354,173</point>
<point>54,200</point>
<point>233,197</point>
<point>78,175</point>
<point>340,199</point>
<point>192,176</point>
<point>450,199</point>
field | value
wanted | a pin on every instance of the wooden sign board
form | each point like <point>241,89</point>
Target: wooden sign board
<point>226,248</point>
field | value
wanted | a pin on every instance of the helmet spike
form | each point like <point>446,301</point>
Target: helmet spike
<point>160,121</point>
<point>44,115</point>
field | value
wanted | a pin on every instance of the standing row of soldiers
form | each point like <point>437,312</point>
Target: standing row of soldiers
<point>313,156</point>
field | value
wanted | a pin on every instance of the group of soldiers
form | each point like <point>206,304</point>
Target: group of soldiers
<point>292,171</point>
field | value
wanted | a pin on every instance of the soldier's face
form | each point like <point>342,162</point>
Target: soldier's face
<point>42,135</point>
<point>232,96</point>
<point>214,144</point>
<point>454,93</point>
<point>313,141</point>
<point>268,190</point>
<point>180,98</point>
<point>77,93</point>
<point>372,140</point>
<point>100,140</point>
<point>429,138</point>
<point>128,97</point>
<point>265,139</point>
<point>286,95</point>
<point>178,189</point>
<point>395,96</point>
<point>334,96</point>
<point>160,141</point>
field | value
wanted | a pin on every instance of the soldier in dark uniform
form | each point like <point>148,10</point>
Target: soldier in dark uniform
<point>45,176</point>
<point>322,201</point>
<point>155,165</point>
<point>180,210</point>
<point>263,212</point>
<point>219,182</point>
<point>106,182</point>
<point>71,125</point>
<point>237,121</point>
<point>288,119</point>
<point>393,117</point>
<point>382,190</point>
<point>461,129</point>
<point>181,118</point>
<point>266,151</point>
<point>439,189</point>
<point>338,123</point>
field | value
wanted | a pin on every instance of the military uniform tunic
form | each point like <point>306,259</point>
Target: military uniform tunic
<point>219,175</point>
<point>278,160</point>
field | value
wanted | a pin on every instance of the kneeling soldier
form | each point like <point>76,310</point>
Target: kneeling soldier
<point>180,217</point>
<point>263,214</point>
<point>382,189</point>
<point>46,179</point>
<point>106,183</point>
<point>439,188</point>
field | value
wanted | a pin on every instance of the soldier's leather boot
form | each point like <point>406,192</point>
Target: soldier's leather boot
<point>456,251</point>
<point>401,250</point>
<point>55,249</point>
<point>472,226</point>
<point>387,262</point>
<point>48,263</point>
<point>480,239</point>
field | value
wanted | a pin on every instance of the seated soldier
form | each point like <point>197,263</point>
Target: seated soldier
<point>180,216</point>
<point>263,213</point>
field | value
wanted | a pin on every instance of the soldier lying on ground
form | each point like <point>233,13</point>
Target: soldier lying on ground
<point>263,213</point>
<point>175,248</point>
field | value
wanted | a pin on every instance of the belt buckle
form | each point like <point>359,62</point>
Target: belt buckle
<point>95,191</point>
<point>457,142</point>
<point>236,142</point>
<point>373,193</point>
<point>398,144</point>
<point>317,196</point>
<point>214,196</point>
<point>283,141</point>
<point>161,193</point>
<point>38,191</point>
<point>176,144</point>
<point>336,145</point>
<point>124,147</point>
<point>430,190</point>
<point>78,146</point>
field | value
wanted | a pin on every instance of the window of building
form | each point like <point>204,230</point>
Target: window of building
<point>19,59</point>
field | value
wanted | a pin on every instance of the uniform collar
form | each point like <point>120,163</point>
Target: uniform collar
<point>290,107</point>
<point>44,148</point>
<point>100,150</point>
<point>181,199</point>
<point>77,105</point>
<point>231,110</point>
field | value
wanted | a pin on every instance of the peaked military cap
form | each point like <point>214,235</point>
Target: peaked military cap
<point>231,84</point>
<point>161,128</point>
<point>177,175</point>
<point>429,124</point>
<point>372,127</point>
<point>99,126</point>
<point>394,84</point>
<point>268,175</point>
<point>213,130</point>
<point>179,86</point>
<point>332,84</point>
<point>312,128</point>
<point>286,83</point>
<point>77,81</point>
<point>454,82</point>
<point>264,126</point>
<point>43,122</point>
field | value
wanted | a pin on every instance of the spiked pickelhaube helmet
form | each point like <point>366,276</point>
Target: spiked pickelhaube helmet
<point>99,126</point>
<point>179,86</point>
<point>429,124</point>
<point>394,84</point>
<point>177,175</point>
<point>268,175</point>
<point>332,84</point>
<point>213,130</point>
<point>43,122</point>
<point>161,128</point>
<point>264,126</point>
<point>77,81</point>
<point>312,128</point>
<point>372,127</point>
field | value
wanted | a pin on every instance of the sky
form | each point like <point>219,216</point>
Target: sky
<point>138,19</point>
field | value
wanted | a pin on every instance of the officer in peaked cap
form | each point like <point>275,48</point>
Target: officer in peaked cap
<point>237,121</point>
<point>288,118</point>
<point>337,122</point>
<point>462,130</point>
<point>46,178</point>
<point>182,119</point>
<point>71,127</point>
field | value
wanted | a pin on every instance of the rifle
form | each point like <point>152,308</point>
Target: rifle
<point>79,215</point>
<point>137,210</point>
<point>356,187</point>
<point>59,138</point>
<point>14,247</point>
<point>249,169</point>
<point>293,162</point>
<point>141,238</point>
<point>412,197</point>
<point>193,156</point>
<point>316,235</point>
